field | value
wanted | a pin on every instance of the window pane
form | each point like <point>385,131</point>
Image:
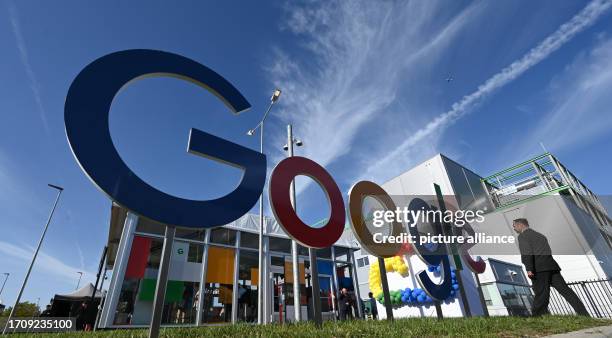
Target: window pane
<point>249,240</point>
<point>197,235</point>
<point>219,283</point>
<point>280,244</point>
<point>148,226</point>
<point>303,251</point>
<point>345,276</point>
<point>223,236</point>
<point>508,272</point>
<point>138,288</point>
<point>195,253</point>
<point>247,290</point>
<point>143,264</point>
<point>342,253</point>
<point>324,253</point>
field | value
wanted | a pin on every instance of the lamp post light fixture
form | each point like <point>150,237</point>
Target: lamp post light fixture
<point>42,237</point>
<point>262,282</point>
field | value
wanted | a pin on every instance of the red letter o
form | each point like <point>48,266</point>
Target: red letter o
<point>280,181</point>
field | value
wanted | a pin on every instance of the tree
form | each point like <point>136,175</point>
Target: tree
<point>24,309</point>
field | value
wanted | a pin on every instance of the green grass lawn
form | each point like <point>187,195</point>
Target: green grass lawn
<point>413,327</point>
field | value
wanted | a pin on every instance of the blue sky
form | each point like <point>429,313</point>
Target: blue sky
<point>364,85</point>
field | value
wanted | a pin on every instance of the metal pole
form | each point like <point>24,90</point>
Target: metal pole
<point>102,300</point>
<point>3,284</point>
<point>451,251</point>
<point>356,284</point>
<point>79,282</point>
<point>234,312</point>
<point>297,307</point>
<point>162,281</point>
<point>385,287</point>
<point>202,288</point>
<point>483,303</point>
<point>25,281</point>
<point>262,283</point>
<point>316,291</point>
<point>100,267</point>
<point>261,290</point>
<point>111,300</point>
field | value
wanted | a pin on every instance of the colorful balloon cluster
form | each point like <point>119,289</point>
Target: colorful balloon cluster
<point>416,296</point>
<point>392,264</point>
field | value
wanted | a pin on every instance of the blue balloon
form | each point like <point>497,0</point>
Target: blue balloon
<point>431,268</point>
<point>453,275</point>
<point>421,298</point>
<point>437,268</point>
<point>456,286</point>
<point>428,299</point>
<point>452,293</point>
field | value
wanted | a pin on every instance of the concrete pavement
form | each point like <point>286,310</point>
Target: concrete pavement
<point>594,332</point>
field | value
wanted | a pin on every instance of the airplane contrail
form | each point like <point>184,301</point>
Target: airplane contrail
<point>563,34</point>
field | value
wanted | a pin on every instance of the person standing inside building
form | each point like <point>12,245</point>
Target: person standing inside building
<point>373,308</point>
<point>543,270</point>
<point>344,303</point>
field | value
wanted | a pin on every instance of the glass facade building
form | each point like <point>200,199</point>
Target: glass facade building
<point>213,274</point>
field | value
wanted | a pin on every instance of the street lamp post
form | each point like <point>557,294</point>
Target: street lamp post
<point>25,281</point>
<point>79,282</point>
<point>297,307</point>
<point>262,304</point>
<point>6,274</point>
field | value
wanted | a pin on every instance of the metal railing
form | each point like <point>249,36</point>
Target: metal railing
<point>539,176</point>
<point>596,295</point>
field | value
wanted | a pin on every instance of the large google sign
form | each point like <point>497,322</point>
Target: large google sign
<point>87,126</point>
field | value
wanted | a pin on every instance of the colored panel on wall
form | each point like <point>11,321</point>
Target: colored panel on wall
<point>220,268</point>
<point>174,290</point>
<point>289,272</point>
<point>147,289</point>
<point>180,251</point>
<point>254,276</point>
<point>139,256</point>
<point>325,268</point>
<point>225,295</point>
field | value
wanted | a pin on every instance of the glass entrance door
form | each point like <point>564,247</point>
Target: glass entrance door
<point>326,293</point>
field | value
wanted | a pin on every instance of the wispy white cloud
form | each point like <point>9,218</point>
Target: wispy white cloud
<point>81,257</point>
<point>563,34</point>
<point>25,60</point>
<point>45,262</point>
<point>580,104</point>
<point>361,52</point>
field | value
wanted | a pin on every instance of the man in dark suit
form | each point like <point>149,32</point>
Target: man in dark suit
<point>373,305</point>
<point>344,304</point>
<point>543,269</point>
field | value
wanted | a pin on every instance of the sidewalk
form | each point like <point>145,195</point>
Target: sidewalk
<point>594,332</point>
